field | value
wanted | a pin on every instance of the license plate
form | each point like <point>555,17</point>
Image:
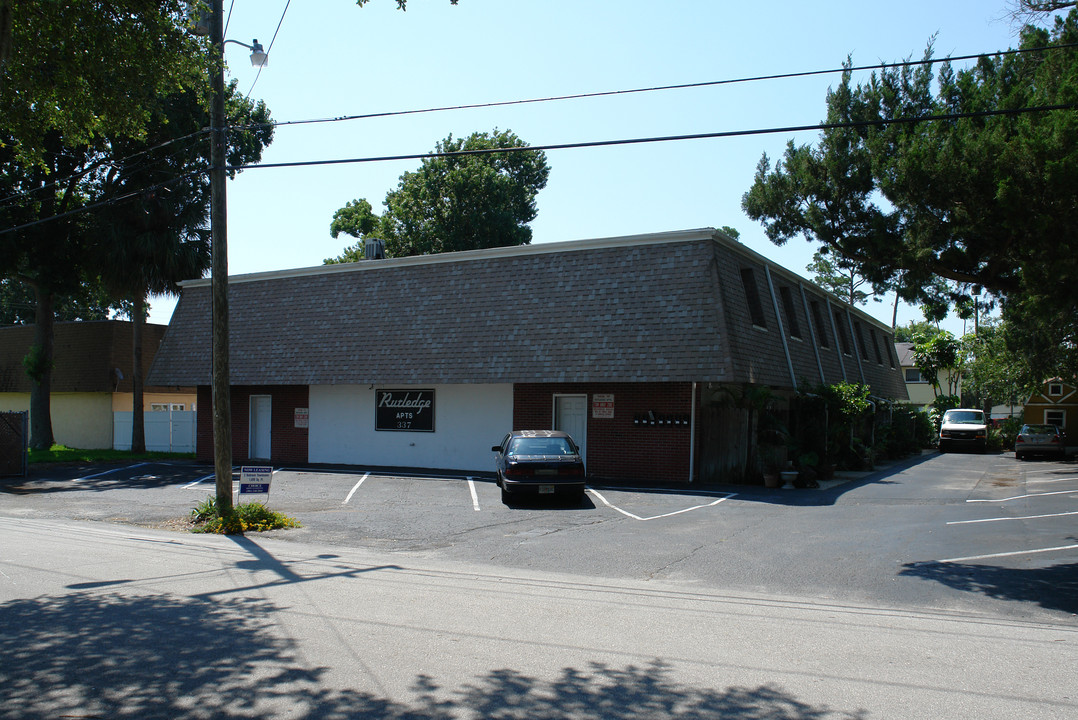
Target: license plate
<point>546,489</point>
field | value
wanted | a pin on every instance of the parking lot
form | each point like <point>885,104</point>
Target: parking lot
<point>956,531</point>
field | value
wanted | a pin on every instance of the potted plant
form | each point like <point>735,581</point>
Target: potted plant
<point>772,460</point>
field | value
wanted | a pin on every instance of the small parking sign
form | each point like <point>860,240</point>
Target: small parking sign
<point>255,480</point>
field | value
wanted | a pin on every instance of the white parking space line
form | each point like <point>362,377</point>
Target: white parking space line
<point>203,479</point>
<point>108,472</point>
<point>1020,497</point>
<point>1051,480</point>
<point>196,482</point>
<point>1010,554</point>
<point>1000,519</point>
<point>610,505</point>
<point>355,487</point>
<point>475,497</point>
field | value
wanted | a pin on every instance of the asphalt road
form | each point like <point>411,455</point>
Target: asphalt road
<point>952,532</point>
<point>938,588</point>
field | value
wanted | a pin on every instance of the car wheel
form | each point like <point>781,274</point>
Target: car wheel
<point>505,497</point>
<point>942,448</point>
<point>1019,456</point>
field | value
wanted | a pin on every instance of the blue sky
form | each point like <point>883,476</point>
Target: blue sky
<point>332,59</point>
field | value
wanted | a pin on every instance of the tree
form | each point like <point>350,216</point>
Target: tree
<point>1025,12</point>
<point>963,176</point>
<point>357,219</point>
<point>465,196</point>
<point>993,371</point>
<point>147,244</point>
<point>89,302</point>
<point>838,276</point>
<point>85,68</point>
<point>71,74</point>
<point>937,355</point>
<point>908,333</point>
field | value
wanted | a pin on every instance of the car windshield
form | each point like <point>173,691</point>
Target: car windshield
<point>963,417</point>
<point>1039,430</point>
<point>541,446</point>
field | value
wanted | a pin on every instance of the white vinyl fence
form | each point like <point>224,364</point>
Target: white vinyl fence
<point>166,431</point>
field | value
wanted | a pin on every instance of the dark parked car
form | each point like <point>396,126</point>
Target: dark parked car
<point>539,462</point>
<point>1040,440</point>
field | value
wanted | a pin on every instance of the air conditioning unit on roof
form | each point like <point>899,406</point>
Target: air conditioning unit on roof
<point>374,249</point>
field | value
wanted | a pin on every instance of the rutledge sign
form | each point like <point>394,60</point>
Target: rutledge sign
<point>404,410</point>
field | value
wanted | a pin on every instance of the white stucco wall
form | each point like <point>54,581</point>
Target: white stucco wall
<point>468,420</point>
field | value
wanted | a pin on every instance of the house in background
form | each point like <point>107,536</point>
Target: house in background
<point>1055,403</point>
<point>918,387</point>
<point>91,381</point>
<point>633,345</point>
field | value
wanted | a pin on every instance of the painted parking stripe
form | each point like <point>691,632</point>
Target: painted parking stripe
<point>475,497</point>
<point>1000,519</point>
<point>1010,554</point>
<point>108,472</point>
<point>355,487</point>
<point>609,504</point>
<point>1051,480</point>
<point>1020,497</point>
<point>204,478</point>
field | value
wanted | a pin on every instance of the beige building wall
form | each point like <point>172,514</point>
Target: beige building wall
<point>79,420</point>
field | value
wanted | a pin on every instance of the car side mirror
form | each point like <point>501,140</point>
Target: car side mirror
<point>497,448</point>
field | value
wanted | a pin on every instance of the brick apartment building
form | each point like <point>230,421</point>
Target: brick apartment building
<point>426,362</point>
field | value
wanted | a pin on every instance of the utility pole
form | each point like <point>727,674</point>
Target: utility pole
<point>222,396</point>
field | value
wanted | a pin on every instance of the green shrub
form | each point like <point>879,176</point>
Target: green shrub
<point>253,517</point>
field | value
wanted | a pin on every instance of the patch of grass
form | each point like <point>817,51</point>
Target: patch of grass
<point>248,517</point>
<point>59,453</point>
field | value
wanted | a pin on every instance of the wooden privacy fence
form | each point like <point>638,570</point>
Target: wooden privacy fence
<point>13,443</point>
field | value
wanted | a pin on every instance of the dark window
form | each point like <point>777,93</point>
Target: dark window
<point>875,346</point>
<point>889,347</point>
<point>861,340</point>
<point>913,375</point>
<point>821,328</point>
<point>752,296</point>
<point>843,335</point>
<point>791,311</point>
<point>1055,388</point>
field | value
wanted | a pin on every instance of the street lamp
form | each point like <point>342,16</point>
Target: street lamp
<point>220,378</point>
<point>259,58</point>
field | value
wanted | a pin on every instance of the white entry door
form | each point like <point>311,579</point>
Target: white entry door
<point>259,442</point>
<point>571,416</point>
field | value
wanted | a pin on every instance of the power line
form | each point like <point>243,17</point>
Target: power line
<point>589,144</point>
<point>572,146</point>
<point>660,88</point>
<point>667,138</point>
<point>556,98</point>
<point>270,48</point>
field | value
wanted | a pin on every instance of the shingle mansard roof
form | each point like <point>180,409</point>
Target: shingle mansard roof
<point>649,308</point>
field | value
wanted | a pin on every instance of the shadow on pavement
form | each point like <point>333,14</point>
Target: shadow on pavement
<point>827,494</point>
<point>162,657</point>
<point>102,478</point>
<point>1053,588</point>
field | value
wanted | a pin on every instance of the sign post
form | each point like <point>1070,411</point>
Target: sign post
<point>255,480</point>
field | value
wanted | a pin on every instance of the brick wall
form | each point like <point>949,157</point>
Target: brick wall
<point>618,448</point>
<point>289,443</point>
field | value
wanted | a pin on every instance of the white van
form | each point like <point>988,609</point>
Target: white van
<point>963,428</point>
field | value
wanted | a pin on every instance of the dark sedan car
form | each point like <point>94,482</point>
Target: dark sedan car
<point>539,462</point>
<point>1039,440</point>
